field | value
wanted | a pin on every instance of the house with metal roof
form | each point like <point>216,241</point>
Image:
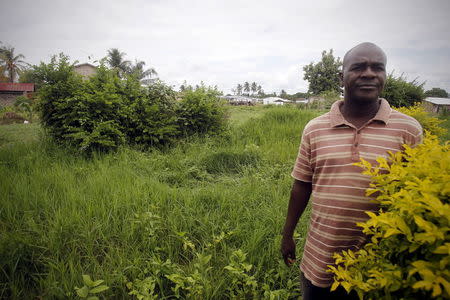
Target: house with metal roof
<point>436,105</point>
<point>9,91</point>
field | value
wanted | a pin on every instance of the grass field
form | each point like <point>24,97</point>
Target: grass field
<point>201,220</point>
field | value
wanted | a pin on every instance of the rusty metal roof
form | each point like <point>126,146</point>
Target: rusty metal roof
<point>16,87</point>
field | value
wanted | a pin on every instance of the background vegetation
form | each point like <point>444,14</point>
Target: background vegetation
<point>200,219</point>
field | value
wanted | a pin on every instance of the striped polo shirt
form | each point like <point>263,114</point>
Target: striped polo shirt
<point>330,146</point>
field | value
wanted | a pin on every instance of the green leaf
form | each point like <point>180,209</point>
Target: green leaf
<point>335,285</point>
<point>97,282</point>
<point>99,289</point>
<point>93,298</point>
<point>87,280</point>
<point>391,231</point>
<point>83,292</point>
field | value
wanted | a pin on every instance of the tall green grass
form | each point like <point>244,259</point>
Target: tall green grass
<point>132,217</point>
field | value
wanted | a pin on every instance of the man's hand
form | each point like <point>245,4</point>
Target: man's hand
<point>288,250</point>
<point>299,199</point>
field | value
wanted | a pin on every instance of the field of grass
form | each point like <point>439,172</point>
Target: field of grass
<point>201,220</point>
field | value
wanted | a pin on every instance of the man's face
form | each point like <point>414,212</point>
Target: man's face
<point>364,74</point>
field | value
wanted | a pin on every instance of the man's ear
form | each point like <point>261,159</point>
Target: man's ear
<point>341,79</point>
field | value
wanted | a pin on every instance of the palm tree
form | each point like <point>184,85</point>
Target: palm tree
<point>254,87</point>
<point>247,87</point>
<point>239,89</point>
<point>139,72</point>
<point>10,63</point>
<point>260,90</point>
<point>115,60</point>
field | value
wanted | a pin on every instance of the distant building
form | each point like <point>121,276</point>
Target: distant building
<point>86,70</point>
<point>436,105</point>
<point>239,100</point>
<point>275,101</point>
<point>10,91</point>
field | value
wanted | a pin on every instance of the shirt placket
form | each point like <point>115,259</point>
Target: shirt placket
<point>355,145</point>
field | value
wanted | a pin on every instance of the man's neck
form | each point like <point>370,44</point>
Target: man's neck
<point>358,112</point>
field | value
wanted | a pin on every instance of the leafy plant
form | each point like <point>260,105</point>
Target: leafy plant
<point>201,111</point>
<point>91,288</point>
<point>400,92</point>
<point>243,285</point>
<point>428,122</point>
<point>25,104</point>
<point>408,254</point>
<point>153,119</point>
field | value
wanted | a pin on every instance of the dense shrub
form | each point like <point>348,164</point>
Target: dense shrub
<point>428,122</point>
<point>400,92</point>
<point>153,118</point>
<point>106,111</point>
<point>408,256</point>
<point>201,111</point>
<point>61,84</point>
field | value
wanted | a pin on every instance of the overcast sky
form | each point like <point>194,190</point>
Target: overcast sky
<point>228,42</point>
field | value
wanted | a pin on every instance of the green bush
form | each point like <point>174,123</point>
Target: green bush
<point>106,111</point>
<point>408,254</point>
<point>62,85</point>
<point>154,120</point>
<point>428,122</point>
<point>201,111</point>
<point>400,92</point>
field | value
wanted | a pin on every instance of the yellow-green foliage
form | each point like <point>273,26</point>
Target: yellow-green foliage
<point>428,122</point>
<point>408,253</point>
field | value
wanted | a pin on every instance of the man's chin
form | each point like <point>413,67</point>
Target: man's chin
<point>365,97</point>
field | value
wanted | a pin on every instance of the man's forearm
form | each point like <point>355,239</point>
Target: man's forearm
<point>300,194</point>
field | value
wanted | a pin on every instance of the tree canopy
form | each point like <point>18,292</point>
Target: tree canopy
<point>324,75</point>
<point>115,59</point>
<point>10,63</point>
<point>436,92</point>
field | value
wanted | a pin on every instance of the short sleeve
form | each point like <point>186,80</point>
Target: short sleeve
<point>415,135</point>
<point>302,168</point>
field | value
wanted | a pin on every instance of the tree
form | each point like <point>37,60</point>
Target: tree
<point>324,75</point>
<point>11,64</point>
<point>137,70</point>
<point>115,60</point>
<point>183,87</point>
<point>260,90</point>
<point>247,87</point>
<point>254,87</point>
<point>239,89</point>
<point>283,94</point>
<point>436,92</point>
<point>400,92</point>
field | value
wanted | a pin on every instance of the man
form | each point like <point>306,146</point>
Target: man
<point>361,126</point>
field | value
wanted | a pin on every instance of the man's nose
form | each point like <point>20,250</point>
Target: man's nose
<point>368,72</point>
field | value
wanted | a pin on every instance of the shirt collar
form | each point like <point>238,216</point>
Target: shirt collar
<point>337,118</point>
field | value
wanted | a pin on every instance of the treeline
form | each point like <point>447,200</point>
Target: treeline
<point>248,89</point>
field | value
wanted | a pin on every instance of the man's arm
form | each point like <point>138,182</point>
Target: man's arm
<point>299,199</point>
